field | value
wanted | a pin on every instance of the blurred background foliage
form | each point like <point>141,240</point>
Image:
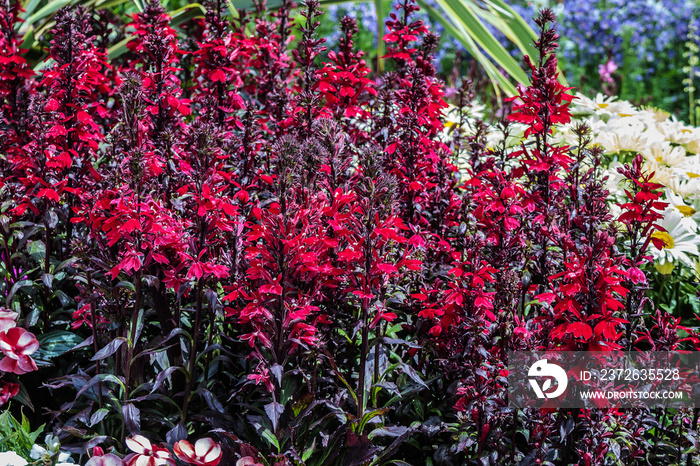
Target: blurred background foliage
<point>640,50</point>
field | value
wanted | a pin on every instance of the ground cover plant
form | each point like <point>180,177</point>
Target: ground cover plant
<point>222,247</point>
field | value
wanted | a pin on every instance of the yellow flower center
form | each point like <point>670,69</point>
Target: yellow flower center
<point>686,210</point>
<point>622,115</point>
<point>603,105</point>
<point>665,237</point>
<point>664,269</point>
<point>693,175</point>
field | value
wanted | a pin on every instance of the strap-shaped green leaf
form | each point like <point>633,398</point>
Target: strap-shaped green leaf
<point>48,9</point>
<point>522,34</point>
<point>499,81</point>
<point>461,12</point>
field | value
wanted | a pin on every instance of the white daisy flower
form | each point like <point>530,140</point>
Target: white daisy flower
<point>665,154</point>
<point>655,114</point>
<point>663,174</point>
<point>689,209</point>
<point>677,131</point>
<point>694,145</point>
<point>623,135</point>
<point>603,105</point>
<point>691,167</point>
<point>681,184</point>
<point>10,458</point>
<point>677,243</point>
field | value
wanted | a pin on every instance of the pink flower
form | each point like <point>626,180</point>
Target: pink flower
<point>109,459</point>
<point>247,461</point>
<point>607,70</point>
<point>17,344</point>
<point>636,275</point>
<point>205,452</point>
<point>146,454</point>
<point>8,391</point>
<point>8,319</point>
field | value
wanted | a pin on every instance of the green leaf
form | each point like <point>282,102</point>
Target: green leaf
<point>29,39</point>
<point>186,13</point>
<point>29,6</point>
<point>47,279</point>
<point>23,397</point>
<point>381,7</point>
<point>270,437</point>
<point>15,288</point>
<point>111,4</point>
<point>497,79</point>
<point>65,263</point>
<point>49,9</point>
<point>521,34</point>
<point>309,451</point>
<point>128,285</point>
<point>119,48</point>
<point>462,12</point>
<point>56,343</point>
<point>369,416</point>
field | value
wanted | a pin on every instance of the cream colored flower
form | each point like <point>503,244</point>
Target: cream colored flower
<point>623,135</point>
<point>665,154</point>
<point>690,209</point>
<point>694,146</point>
<point>677,131</point>
<point>678,242</point>
<point>663,174</point>
<point>10,458</point>
<point>603,105</point>
<point>583,104</point>
<point>655,114</point>
<point>687,188</point>
<point>691,167</point>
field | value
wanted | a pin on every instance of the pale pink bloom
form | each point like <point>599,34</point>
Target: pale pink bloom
<point>205,452</point>
<point>8,319</point>
<point>109,459</point>
<point>247,461</point>
<point>607,70</point>
<point>17,344</point>
<point>146,454</point>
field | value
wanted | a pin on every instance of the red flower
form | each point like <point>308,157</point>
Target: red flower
<point>17,344</point>
<point>146,454</point>
<point>205,452</point>
<point>8,391</point>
